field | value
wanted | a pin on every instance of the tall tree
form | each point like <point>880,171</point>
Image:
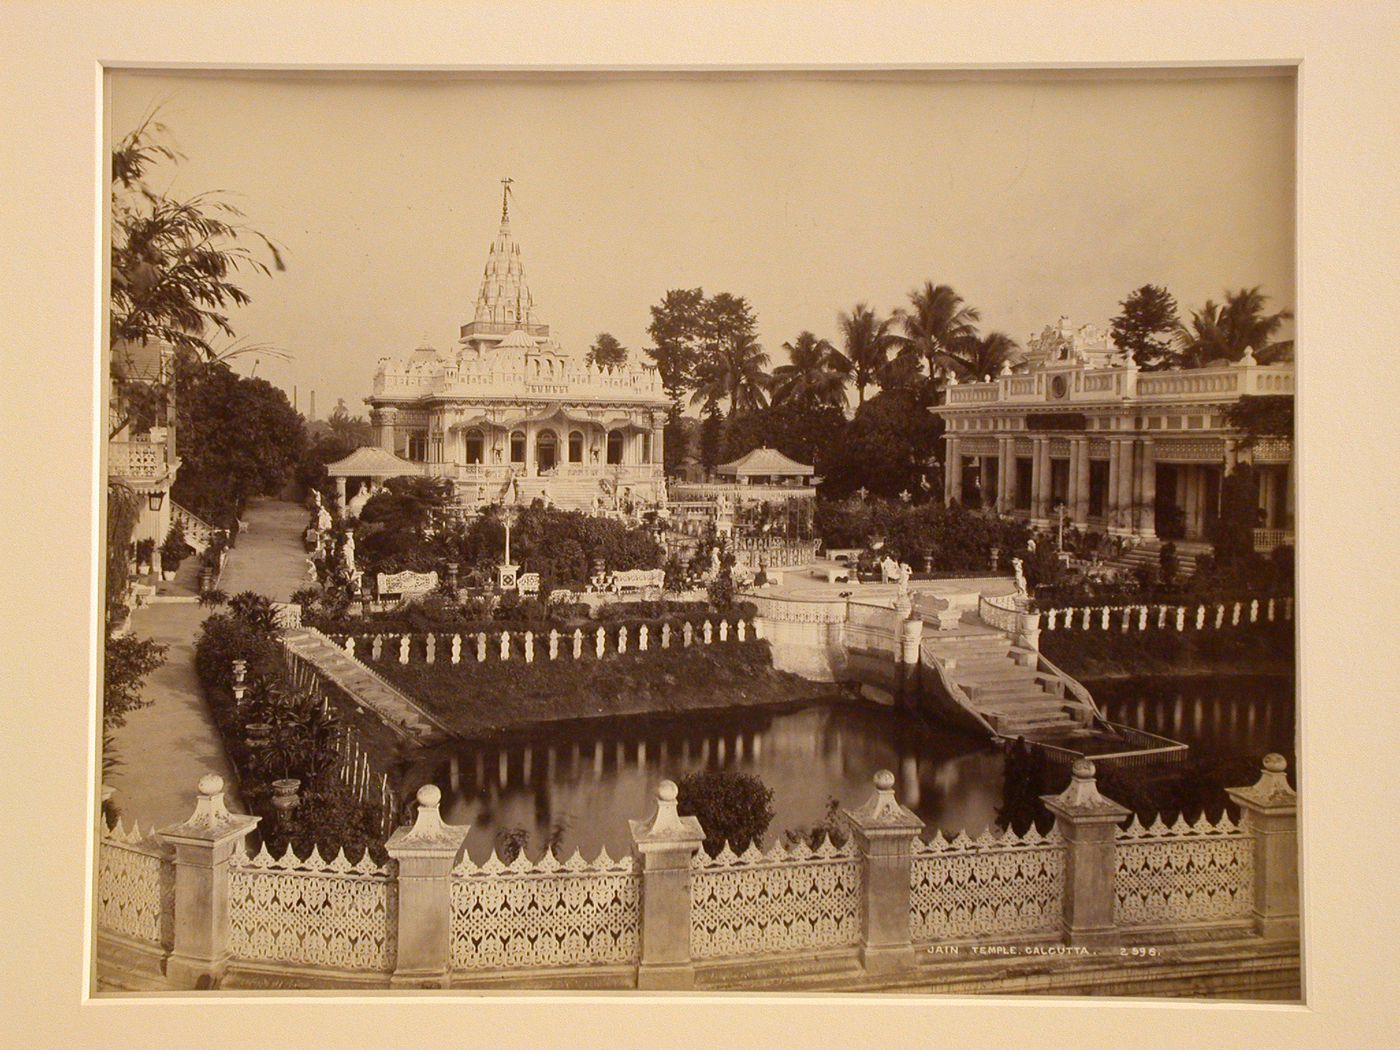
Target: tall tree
<point>1144,327</point>
<point>678,329</point>
<point>1224,331</point>
<point>348,430</point>
<point>607,352</point>
<point>736,374</point>
<point>866,345</point>
<point>711,436</point>
<point>814,374</point>
<point>978,357</point>
<point>935,324</point>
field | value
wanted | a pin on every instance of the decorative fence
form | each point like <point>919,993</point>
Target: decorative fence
<point>1183,874</point>
<point>432,917</point>
<point>1010,613</point>
<point>313,912</point>
<point>991,886</point>
<point>1126,618</point>
<point>199,534</point>
<point>798,610</point>
<point>784,900</point>
<point>773,552</point>
<point>532,914</point>
<point>135,885</point>
<point>598,642</point>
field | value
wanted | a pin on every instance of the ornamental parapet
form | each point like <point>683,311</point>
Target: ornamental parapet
<point>1092,385</point>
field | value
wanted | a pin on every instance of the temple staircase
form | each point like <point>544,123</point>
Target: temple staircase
<point>1002,683</point>
<point>1148,555</point>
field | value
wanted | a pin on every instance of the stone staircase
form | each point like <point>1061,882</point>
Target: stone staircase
<point>1148,555</point>
<point>1001,681</point>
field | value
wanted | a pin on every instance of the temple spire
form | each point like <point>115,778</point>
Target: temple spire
<point>505,199</point>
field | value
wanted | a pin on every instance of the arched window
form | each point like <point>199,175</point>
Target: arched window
<point>576,446</point>
<point>614,446</point>
<point>476,446</point>
<point>517,446</point>
<point>546,451</point>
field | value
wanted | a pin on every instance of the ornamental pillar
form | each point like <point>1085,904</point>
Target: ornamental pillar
<point>1088,822</point>
<point>426,853</point>
<point>884,833</point>
<point>1124,510</point>
<point>1040,482</point>
<point>1270,814</point>
<point>383,420</point>
<point>1080,482</point>
<point>953,481</point>
<point>340,495</point>
<point>1147,506</point>
<point>204,845</point>
<point>1006,465</point>
<point>664,845</point>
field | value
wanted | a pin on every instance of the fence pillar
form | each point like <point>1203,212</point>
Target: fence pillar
<point>204,844</point>
<point>884,833</point>
<point>1271,815</point>
<point>1089,824</point>
<point>664,845</point>
<point>426,853</point>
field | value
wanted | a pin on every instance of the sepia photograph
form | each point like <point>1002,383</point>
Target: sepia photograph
<point>725,532</point>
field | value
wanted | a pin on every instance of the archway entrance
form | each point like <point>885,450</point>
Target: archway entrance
<point>546,451</point>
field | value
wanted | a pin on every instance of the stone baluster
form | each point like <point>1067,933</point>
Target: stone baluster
<point>708,631</point>
<point>642,638</point>
<point>724,630</point>
<point>687,634</point>
<point>1089,824</point>
<point>664,845</point>
<point>578,642</point>
<point>884,833</point>
<point>665,636</point>
<point>481,647</point>
<point>426,853</point>
<point>430,648</point>
<point>599,642</point>
<point>505,645</point>
<point>622,639</point>
<point>1161,616</point>
<point>1200,617</point>
<point>553,643</point>
<point>740,628</point>
<point>376,647</point>
<point>1270,809</point>
<point>456,648</point>
<point>1181,618</point>
<point>1254,611</point>
<point>529,647</point>
<point>403,649</point>
<point>204,845</point>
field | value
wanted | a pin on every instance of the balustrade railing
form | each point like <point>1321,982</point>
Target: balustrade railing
<point>137,460</point>
<point>135,885</point>
<point>1183,874</point>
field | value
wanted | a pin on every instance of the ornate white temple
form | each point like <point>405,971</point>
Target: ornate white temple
<point>509,415</point>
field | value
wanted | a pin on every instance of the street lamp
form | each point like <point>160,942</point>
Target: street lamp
<point>155,500</point>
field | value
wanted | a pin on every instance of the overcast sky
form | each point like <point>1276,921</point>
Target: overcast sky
<point>1032,198</point>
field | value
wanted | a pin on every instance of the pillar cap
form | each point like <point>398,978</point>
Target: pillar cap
<point>882,811</point>
<point>211,821</point>
<point>1270,793</point>
<point>666,827</point>
<point>1081,802</point>
<point>428,834</point>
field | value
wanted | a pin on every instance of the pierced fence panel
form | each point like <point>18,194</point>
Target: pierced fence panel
<point>1186,873</point>
<point>135,886</point>
<point>784,900</point>
<point>989,886</point>
<point>312,912</point>
<point>531,914</point>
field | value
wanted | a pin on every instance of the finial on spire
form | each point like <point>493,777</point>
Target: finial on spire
<point>505,198</point>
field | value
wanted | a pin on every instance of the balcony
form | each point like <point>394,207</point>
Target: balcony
<point>138,460</point>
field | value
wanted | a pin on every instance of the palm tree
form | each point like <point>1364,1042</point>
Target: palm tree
<point>978,357</point>
<point>815,376</point>
<point>868,342</point>
<point>1226,330</point>
<point>735,373</point>
<point>937,323</point>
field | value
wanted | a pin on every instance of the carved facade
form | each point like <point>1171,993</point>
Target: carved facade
<point>508,415</point>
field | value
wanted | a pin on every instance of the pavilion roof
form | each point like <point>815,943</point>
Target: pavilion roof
<point>765,462</point>
<point>370,461</point>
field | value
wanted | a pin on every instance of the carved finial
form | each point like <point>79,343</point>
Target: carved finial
<point>667,791</point>
<point>1081,799</point>
<point>1271,791</point>
<point>428,830</point>
<point>505,199</point>
<point>882,809</point>
<point>211,784</point>
<point>666,825</point>
<point>430,796</point>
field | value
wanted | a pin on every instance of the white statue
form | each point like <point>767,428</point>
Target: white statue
<point>889,570</point>
<point>348,553</point>
<point>905,575</point>
<point>1021,591</point>
<point>323,519</point>
<point>714,561</point>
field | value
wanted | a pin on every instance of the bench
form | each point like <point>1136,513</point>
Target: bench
<point>833,573</point>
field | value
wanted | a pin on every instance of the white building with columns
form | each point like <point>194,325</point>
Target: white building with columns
<point>1124,451</point>
<point>509,415</point>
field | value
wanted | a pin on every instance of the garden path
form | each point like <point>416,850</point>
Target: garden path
<point>165,748</point>
<point>270,557</point>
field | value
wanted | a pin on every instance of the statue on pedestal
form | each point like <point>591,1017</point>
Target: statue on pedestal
<point>1021,591</point>
<point>348,553</point>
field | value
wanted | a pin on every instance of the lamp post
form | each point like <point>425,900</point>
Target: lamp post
<point>155,500</point>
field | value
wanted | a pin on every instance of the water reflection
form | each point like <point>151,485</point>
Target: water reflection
<point>588,778</point>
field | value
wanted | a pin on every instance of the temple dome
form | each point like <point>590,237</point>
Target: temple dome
<point>517,340</point>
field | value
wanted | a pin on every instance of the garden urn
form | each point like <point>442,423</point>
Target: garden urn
<point>284,796</point>
<point>257,734</point>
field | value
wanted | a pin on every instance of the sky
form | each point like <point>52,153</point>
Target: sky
<point>1033,197</point>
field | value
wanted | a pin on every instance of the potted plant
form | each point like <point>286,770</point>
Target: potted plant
<point>144,549</point>
<point>173,551</point>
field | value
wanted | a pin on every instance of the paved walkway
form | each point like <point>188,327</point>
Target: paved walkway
<point>270,557</point>
<point>165,748</point>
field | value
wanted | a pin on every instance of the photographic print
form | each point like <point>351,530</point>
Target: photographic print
<point>723,532</point>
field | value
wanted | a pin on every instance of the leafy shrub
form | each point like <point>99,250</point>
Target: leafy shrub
<point>732,807</point>
<point>329,817</point>
<point>126,662</point>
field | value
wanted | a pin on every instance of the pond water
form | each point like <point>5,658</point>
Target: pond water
<point>586,778</point>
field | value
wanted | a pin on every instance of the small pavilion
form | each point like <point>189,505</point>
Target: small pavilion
<point>371,465</point>
<point>766,466</point>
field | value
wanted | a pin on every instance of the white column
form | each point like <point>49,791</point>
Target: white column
<point>1081,482</point>
<point>953,469</point>
<point>1110,508</point>
<point>1147,506</point>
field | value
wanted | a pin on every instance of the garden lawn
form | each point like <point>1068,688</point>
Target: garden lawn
<point>478,699</point>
